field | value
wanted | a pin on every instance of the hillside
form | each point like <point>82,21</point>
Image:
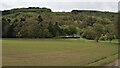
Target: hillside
<point>35,22</point>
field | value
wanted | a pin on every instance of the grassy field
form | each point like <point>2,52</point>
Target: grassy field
<point>51,52</point>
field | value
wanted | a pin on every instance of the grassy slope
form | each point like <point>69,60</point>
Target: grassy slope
<point>54,52</point>
<point>104,61</point>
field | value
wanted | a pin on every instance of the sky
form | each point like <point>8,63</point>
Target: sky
<point>62,5</point>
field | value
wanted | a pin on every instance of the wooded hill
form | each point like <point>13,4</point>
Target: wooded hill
<point>35,22</point>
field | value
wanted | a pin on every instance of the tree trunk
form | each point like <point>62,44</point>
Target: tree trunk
<point>96,39</point>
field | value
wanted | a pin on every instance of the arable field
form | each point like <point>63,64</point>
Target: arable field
<point>54,52</point>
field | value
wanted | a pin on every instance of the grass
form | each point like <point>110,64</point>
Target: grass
<point>54,52</point>
<point>104,61</point>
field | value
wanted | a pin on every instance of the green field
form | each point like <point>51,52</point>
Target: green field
<point>54,52</point>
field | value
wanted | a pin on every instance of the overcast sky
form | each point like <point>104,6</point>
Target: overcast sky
<point>62,5</point>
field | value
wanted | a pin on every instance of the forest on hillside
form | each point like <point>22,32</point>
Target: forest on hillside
<point>35,22</point>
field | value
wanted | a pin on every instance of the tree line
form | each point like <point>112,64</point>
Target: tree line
<point>93,25</point>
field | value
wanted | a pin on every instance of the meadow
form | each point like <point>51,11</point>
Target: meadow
<point>55,52</point>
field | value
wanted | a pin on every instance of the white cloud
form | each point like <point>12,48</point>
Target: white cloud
<point>61,0</point>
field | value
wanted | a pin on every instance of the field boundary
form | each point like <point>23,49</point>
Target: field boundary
<point>104,61</point>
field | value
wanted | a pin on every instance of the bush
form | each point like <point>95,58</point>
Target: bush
<point>103,38</point>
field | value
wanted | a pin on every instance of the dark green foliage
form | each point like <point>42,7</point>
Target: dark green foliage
<point>98,29</point>
<point>89,33</point>
<point>110,32</point>
<point>51,29</point>
<point>40,18</point>
<point>57,29</point>
<point>5,27</point>
<point>32,23</point>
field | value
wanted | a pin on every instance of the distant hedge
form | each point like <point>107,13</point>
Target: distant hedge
<point>30,9</point>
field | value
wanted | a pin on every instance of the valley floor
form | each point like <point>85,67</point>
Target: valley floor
<point>54,52</point>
